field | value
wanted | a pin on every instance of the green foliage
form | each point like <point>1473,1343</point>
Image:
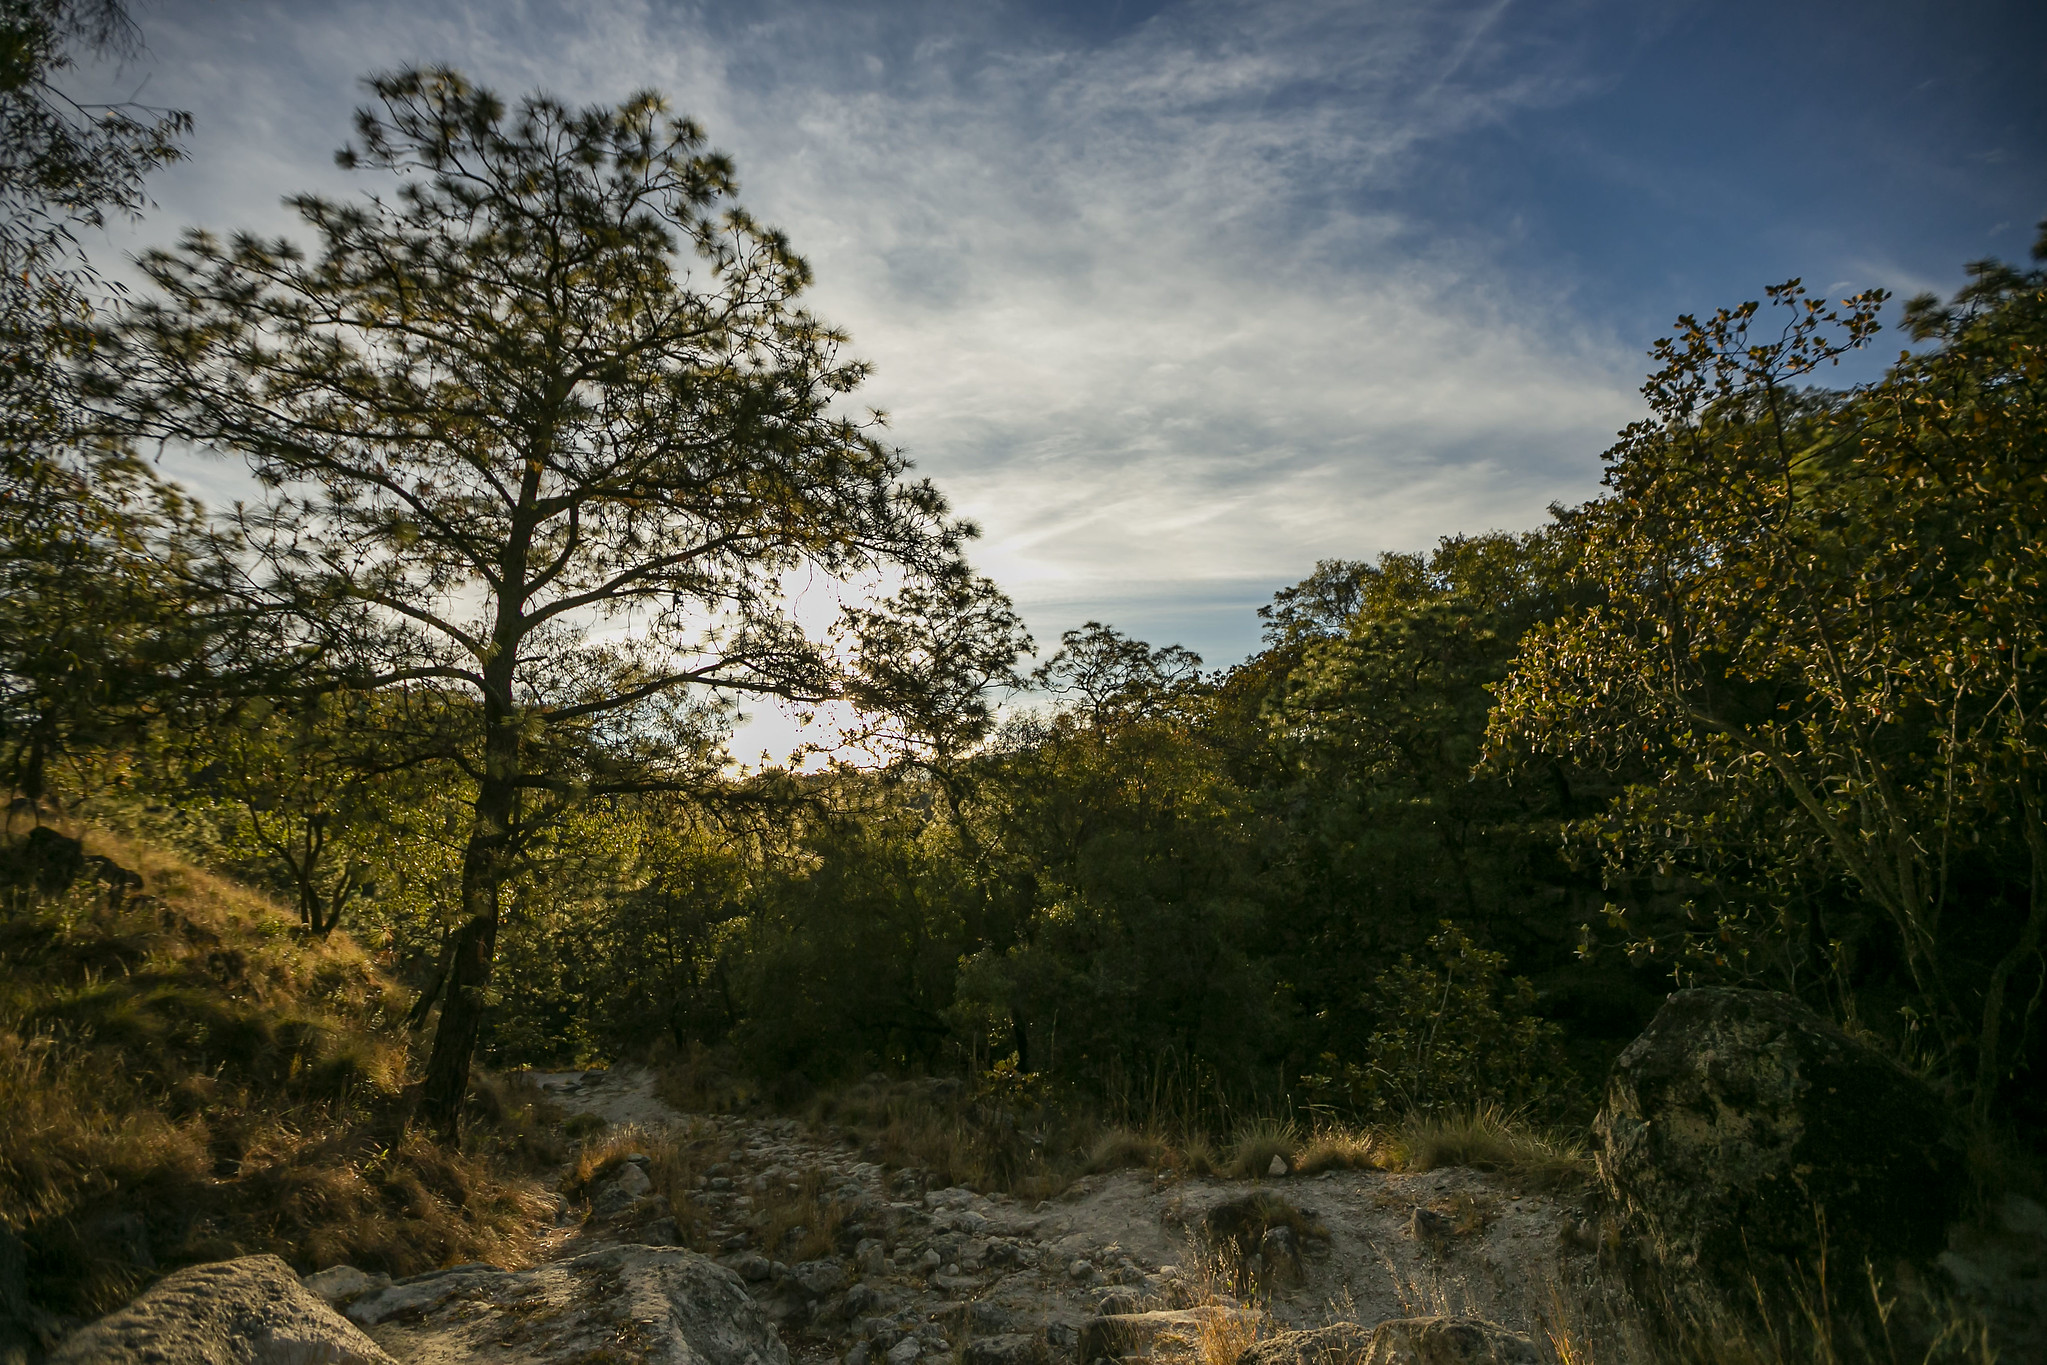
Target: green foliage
<point>1816,657</point>
<point>1453,1033</point>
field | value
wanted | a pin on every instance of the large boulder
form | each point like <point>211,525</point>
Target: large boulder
<point>657,1305</point>
<point>251,1311</point>
<point>1742,1125</point>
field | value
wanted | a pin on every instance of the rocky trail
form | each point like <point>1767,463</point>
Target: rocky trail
<point>1123,1264</point>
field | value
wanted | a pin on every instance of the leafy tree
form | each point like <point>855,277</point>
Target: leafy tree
<point>1822,611</point>
<point>497,411</point>
<point>1320,605</point>
<point>93,549</point>
<point>1113,676</point>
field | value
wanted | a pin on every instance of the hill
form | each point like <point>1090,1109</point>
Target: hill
<point>185,1076</point>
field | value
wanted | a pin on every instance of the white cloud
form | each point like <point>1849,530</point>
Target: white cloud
<point>1152,310</point>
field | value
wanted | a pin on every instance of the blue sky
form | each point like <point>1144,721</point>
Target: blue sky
<point>1176,298</point>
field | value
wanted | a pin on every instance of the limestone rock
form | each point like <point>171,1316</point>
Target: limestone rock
<point>341,1283</point>
<point>659,1305</point>
<point>251,1311</point>
<point>1738,1117</point>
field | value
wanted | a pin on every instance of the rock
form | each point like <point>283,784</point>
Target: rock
<point>1446,1341</point>
<point>1337,1344</point>
<point>418,1295</point>
<point>339,1283</point>
<point>1739,1118</point>
<point>1080,1269</point>
<point>870,1255</point>
<point>817,1279</point>
<point>905,1352</point>
<point>1280,1249</point>
<point>1427,1225</point>
<point>1135,1334</point>
<point>657,1305</point>
<point>621,1191</point>
<point>251,1311</point>
<point>754,1268</point>
<point>1278,1167</point>
<point>1116,1303</point>
<point>1009,1349</point>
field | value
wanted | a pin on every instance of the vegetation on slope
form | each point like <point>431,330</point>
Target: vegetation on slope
<point>187,1077</point>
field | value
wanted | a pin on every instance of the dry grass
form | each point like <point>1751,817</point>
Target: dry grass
<point>1119,1147</point>
<point>1866,1323</point>
<point>675,1158</point>
<point>186,1077</point>
<point>1225,1336</point>
<point>1342,1149</point>
<point>1256,1143</point>
<point>1485,1139</point>
<point>798,1220</point>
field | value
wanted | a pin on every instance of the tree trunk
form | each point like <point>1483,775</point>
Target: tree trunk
<point>471,954</point>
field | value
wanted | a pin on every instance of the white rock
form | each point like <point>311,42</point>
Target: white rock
<point>663,1305</point>
<point>1278,1167</point>
<point>250,1311</point>
<point>340,1283</point>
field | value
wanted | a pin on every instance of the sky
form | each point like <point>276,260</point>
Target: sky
<point>1175,299</point>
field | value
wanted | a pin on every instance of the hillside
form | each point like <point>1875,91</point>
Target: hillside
<point>187,1077</point>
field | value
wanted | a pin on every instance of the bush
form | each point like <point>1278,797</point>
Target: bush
<point>1451,1035</point>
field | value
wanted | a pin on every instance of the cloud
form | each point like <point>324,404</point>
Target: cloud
<point>1154,308</point>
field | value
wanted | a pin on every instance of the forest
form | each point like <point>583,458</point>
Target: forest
<point>538,431</point>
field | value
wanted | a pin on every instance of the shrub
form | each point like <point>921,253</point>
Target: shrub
<point>1453,1034</point>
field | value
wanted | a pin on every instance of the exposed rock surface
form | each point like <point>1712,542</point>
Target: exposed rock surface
<point>251,1311</point>
<point>1739,1118</point>
<point>658,1305</point>
<point>920,1273</point>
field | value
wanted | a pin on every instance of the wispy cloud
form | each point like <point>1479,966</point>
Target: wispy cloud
<point>1153,309</point>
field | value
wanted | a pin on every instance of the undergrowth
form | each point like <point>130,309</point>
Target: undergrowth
<point>188,1078</point>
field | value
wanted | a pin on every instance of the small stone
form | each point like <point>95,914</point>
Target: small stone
<point>870,1256</point>
<point>1277,1168</point>
<point>339,1283</point>
<point>929,1261</point>
<point>905,1352</point>
<point>1080,1270</point>
<point>621,1191</point>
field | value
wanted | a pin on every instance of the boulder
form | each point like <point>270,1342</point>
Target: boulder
<point>1740,1122</point>
<point>658,1305</point>
<point>251,1311</point>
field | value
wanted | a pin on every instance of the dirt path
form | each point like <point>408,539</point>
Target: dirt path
<point>941,1275</point>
